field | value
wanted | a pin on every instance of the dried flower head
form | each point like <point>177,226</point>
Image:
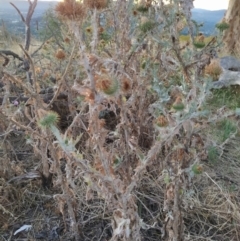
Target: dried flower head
<point>126,84</point>
<point>88,29</point>
<point>200,38</point>
<point>46,74</point>
<point>148,3</point>
<point>101,123</point>
<point>37,70</point>
<point>84,91</point>
<point>135,13</point>
<point>58,76</point>
<point>93,59</point>
<point>71,9</point>
<point>98,4</point>
<point>197,169</point>
<point>90,97</point>
<point>178,104</point>
<point>67,40</point>
<point>100,30</point>
<point>106,84</point>
<point>60,54</point>
<point>213,69</point>
<point>162,121</point>
<point>102,43</point>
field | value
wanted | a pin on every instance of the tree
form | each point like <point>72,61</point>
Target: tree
<point>232,34</point>
<point>27,20</point>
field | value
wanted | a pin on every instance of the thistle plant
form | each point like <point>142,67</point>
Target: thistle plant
<point>135,101</point>
<point>121,59</point>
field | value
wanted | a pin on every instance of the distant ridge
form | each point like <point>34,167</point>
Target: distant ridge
<point>10,16</point>
<point>209,18</point>
<point>206,10</point>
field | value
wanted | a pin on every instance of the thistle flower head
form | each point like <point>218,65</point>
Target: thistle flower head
<point>100,30</point>
<point>222,26</point>
<point>213,69</point>
<point>106,84</point>
<point>162,121</point>
<point>71,9</point>
<point>98,4</point>
<point>147,25</point>
<point>199,45</point>
<point>135,13</point>
<point>197,169</point>
<point>47,118</point>
<point>178,104</point>
<point>88,29</point>
<point>126,84</point>
<point>67,40</point>
<point>60,54</point>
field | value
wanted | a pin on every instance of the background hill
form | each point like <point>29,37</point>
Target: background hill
<point>13,22</point>
<point>208,18</point>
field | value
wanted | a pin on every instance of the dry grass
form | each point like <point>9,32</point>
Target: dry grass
<point>211,203</point>
<point>186,38</point>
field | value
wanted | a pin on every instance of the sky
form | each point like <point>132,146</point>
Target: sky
<point>204,4</point>
<point>211,4</point>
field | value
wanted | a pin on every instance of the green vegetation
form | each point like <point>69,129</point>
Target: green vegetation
<point>222,26</point>
<point>226,129</point>
<point>213,155</point>
<point>228,97</point>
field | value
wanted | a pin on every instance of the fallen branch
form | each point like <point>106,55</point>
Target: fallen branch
<point>11,53</point>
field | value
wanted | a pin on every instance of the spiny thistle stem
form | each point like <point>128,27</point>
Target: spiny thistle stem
<point>63,76</point>
<point>34,77</point>
<point>95,30</point>
<point>87,66</point>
